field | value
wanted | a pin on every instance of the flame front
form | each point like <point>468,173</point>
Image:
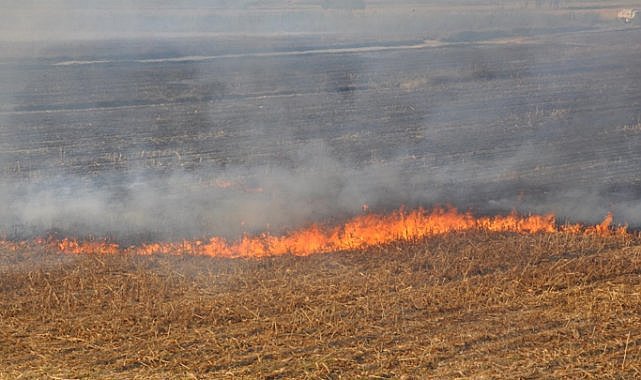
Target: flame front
<point>361,231</point>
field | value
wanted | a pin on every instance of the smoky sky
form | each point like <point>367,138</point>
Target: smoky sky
<point>162,120</point>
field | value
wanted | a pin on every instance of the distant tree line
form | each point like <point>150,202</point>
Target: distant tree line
<point>343,4</point>
<point>542,3</point>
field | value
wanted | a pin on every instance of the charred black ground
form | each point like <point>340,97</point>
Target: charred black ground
<point>534,107</point>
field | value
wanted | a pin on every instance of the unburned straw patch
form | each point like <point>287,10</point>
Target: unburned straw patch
<point>459,305</point>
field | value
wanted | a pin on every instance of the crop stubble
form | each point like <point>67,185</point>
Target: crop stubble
<point>461,305</point>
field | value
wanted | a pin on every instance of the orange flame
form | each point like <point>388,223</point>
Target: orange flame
<point>361,231</point>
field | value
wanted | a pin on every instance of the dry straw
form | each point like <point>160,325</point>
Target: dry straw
<point>472,305</point>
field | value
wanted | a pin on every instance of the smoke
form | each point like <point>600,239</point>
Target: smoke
<point>157,121</point>
<point>181,204</point>
<point>73,20</point>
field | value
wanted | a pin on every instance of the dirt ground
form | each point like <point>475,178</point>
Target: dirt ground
<point>468,305</point>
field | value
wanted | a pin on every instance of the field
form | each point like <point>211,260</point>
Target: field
<point>469,305</point>
<point>137,125</point>
<point>534,109</point>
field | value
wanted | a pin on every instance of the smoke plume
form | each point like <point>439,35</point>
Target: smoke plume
<point>158,120</point>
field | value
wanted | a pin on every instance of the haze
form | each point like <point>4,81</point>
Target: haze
<point>158,120</point>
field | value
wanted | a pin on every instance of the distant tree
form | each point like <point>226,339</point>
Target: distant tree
<point>556,4</point>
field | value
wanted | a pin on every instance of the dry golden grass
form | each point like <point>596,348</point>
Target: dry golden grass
<point>471,305</point>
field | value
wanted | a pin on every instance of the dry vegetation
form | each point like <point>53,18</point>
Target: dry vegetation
<point>468,305</point>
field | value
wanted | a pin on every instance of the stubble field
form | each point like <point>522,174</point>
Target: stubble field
<point>468,305</point>
<point>534,106</point>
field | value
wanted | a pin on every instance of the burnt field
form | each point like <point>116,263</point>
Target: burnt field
<point>573,98</point>
<point>538,122</point>
<point>468,305</point>
<point>260,128</point>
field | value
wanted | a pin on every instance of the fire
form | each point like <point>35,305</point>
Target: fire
<point>361,231</point>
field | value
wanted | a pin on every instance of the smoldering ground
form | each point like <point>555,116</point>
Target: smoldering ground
<point>226,202</point>
<point>170,138</point>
